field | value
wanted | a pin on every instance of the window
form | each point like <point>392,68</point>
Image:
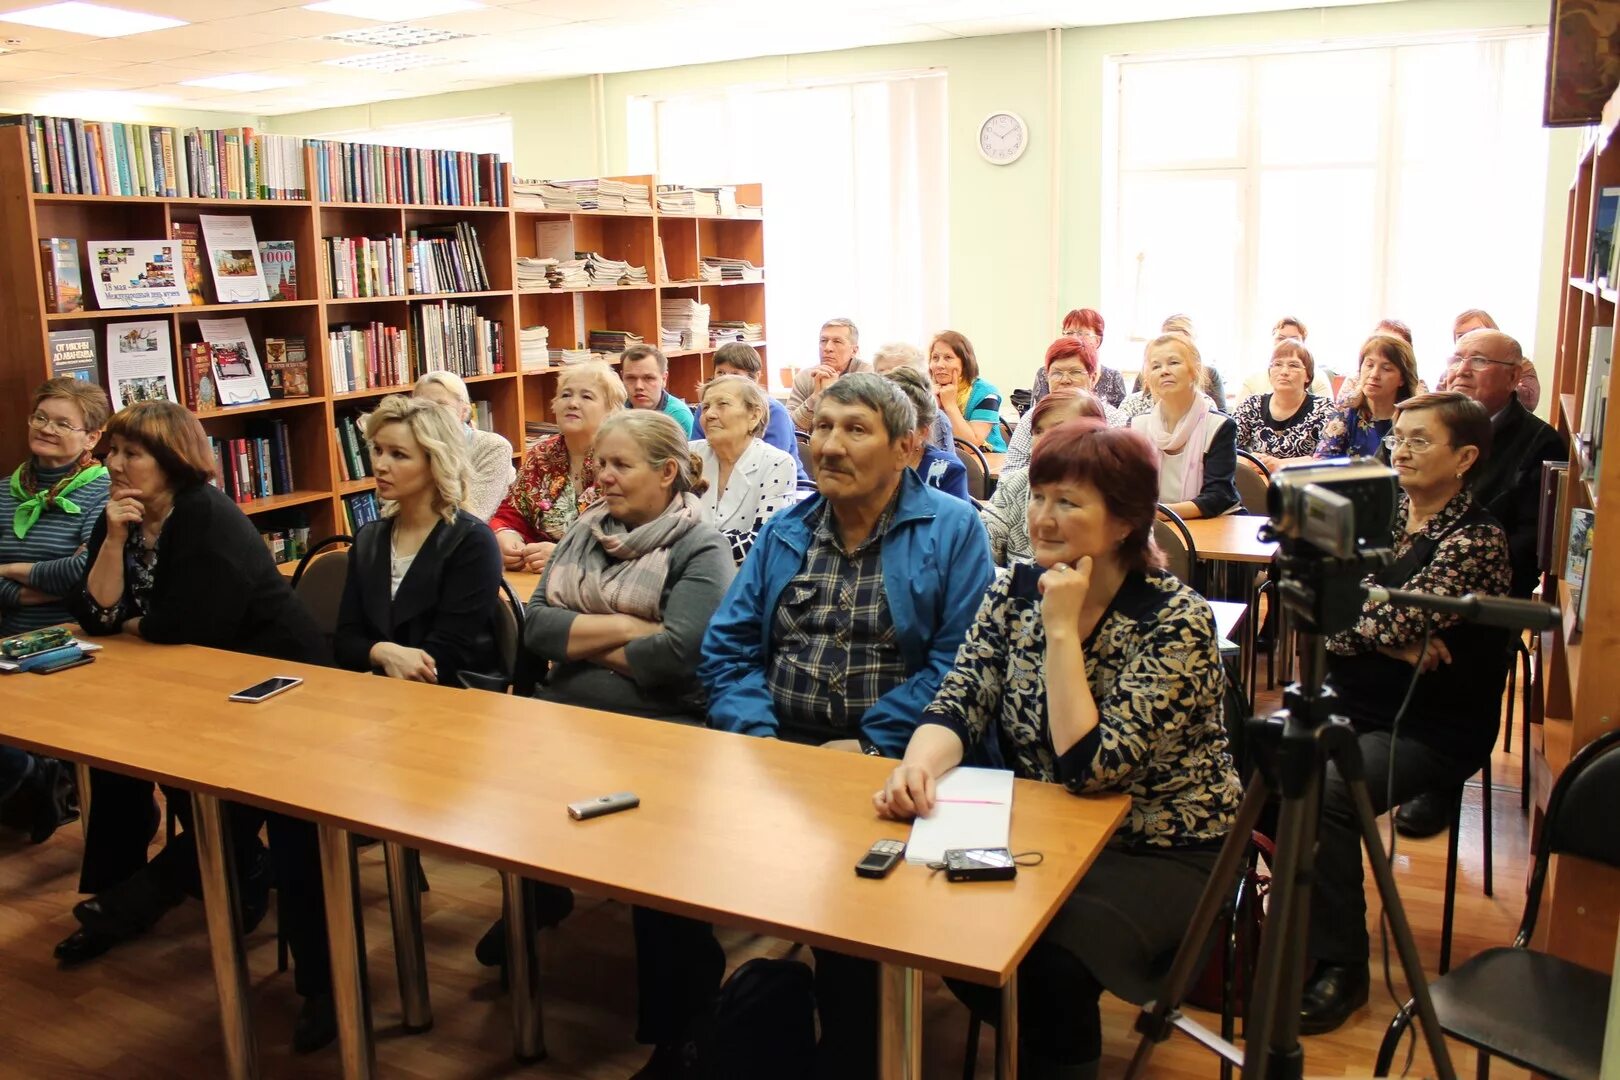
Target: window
<point>855,198</point>
<point>471,134</point>
<point>1339,186</point>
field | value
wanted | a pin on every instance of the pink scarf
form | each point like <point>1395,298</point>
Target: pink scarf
<point>1188,437</point>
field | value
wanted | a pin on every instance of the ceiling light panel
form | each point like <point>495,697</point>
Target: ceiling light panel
<point>92,20</point>
<point>391,11</point>
<point>395,36</point>
<point>386,62</point>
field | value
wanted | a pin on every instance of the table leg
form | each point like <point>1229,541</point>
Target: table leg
<point>522,972</point>
<point>899,1023</point>
<point>1007,1034</point>
<point>82,771</point>
<point>343,934</point>
<point>224,937</point>
<point>404,867</point>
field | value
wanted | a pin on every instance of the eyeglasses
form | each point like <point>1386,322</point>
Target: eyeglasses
<point>1085,335</point>
<point>46,423</point>
<point>1285,365</point>
<point>1068,374</point>
<point>1417,443</point>
<point>1478,362</point>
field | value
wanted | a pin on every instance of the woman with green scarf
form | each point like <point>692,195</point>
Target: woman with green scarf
<point>48,505</point>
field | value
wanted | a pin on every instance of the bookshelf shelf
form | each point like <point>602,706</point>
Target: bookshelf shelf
<point>494,376</point>
<point>283,502</point>
<point>188,309</point>
<point>354,487</point>
<point>588,289</point>
<point>454,295</point>
<point>370,392</point>
<point>259,407</point>
<point>431,207</point>
<point>1583,285</point>
<point>155,200</point>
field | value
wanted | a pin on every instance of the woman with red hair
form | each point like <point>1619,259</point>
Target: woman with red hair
<point>1071,363</point>
<point>1086,324</point>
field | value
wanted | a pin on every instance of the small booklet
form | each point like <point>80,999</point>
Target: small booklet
<point>233,257</point>
<point>972,809</point>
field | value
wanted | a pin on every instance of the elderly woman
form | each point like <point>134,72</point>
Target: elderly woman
<point>1447,545</point>
<point>1197,444</point>
<point>970,403</point>
<point>1209,381</point>
<point>48,508</point>
<point>1086,324</point>
<point>1095,669</point>
<point>1006,515</point>
<point>175,562</point>
<point>423,580</point>
<point>558,477</point>
<point>1385,376</point>
<point>940,468</point>
<point>489,455</point>
<point>899,354</point>
<point>740,358</point>
<point>1284,426</point>
<point>752,479</point>
<point>1071,364</point>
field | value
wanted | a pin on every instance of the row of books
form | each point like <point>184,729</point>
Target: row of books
<point>255,466</point>
<point>287,544</point>
<point>454,337</point>
<point>715,268</point>
<point>1595,406</point>
<point>354,457</point>
<point>594,193</point>
<point>720,201</point>
<point>432,259</point>
<point>612,342</point>
<point>363,357</point>
<point>359,510</point>
<point>1603,258</point>
<point>366,173</point>
<point>586,270</point>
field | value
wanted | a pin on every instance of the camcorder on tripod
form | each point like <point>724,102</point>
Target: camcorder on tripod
<point>1333,523</point>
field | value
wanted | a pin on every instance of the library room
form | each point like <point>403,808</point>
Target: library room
<point>714,540</point>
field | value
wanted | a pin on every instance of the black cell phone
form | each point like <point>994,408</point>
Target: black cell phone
<point>272,686</point>
<point>883,857</point>
<point>64,664</point>
<point>979,864</point>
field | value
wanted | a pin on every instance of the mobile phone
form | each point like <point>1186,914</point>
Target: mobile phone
<point>605,804</point>
<point>63,664</point>
<point>272,686</point>
<point>979,864</point>
<point>883,857</point>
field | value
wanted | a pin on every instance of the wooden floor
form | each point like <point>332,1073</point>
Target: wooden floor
<point>148,1009</point>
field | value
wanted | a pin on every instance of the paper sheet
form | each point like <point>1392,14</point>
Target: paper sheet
<point>973,809</point>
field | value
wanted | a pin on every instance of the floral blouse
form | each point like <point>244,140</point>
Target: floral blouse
<point>1296,437</point>
<point>542,502</point>
<point>140,562</point>
<point>1351,432</point>
<point>1155,673</point>
<point>1469,559</point>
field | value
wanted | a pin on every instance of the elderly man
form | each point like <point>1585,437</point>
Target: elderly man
<point>840,342</point>
<point>840,626</point>
<point>1488,367</point>
<point>645,372</point>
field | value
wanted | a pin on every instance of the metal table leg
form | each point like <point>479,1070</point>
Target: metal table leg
<point>900,1023</point>
<point>224,937</point>
<point>522,972</point>
<point>1007,1034</point>
<point>82,771</point>
<point>404,866</point>
<point>344,935</point>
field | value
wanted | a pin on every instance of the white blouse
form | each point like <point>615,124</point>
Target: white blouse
<point>762,482</point>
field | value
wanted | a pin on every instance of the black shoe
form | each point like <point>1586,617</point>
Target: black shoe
<point>1333,994</point>
<point>1429,814</point>
<point>129,908</point>
<point>548,906</point>
<point>669,1061</point>
<point>317,1024</point>
<point>82,946</point>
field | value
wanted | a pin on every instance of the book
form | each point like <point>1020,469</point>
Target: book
<point>233,258</point>
<point>286,367</point>
<point>140,363</point>
<point>190,237</point>
<point>1608,211</point>
<point>1599,360</point>
<point>136,273</point>
<point>279,261</point>
<point>64,285</point>
<point>73,355</point>
<point>200,387</point>
<point>1576,557</point>
<point>238,375</point>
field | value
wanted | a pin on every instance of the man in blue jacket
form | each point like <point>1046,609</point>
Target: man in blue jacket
<point>841,624</point>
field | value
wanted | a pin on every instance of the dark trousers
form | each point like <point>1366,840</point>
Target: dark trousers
<point>847,1006</point>
<point>679,965</point>
<point>1338,933</point>
<point>1059,1005</point>
<point>15,766</point>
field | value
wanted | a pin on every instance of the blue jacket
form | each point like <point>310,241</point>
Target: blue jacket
<point>778,433</point>
<point>943,470</point>
<point>936,569</point>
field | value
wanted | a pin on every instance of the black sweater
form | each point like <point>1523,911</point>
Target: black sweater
<point>1507,485</point>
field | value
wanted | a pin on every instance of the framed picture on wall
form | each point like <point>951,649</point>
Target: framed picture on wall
<point>1583,60</point>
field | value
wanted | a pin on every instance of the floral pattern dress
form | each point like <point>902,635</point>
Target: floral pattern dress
<point>1296,437</point>
<point>542,502</point>
<point>1353,433</point>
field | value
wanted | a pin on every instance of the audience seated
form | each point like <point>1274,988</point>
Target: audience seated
<point>840,626</point>
<point>174,561</point>
<point>48,509</point>
<point>1006,515</point>
<point>752,480</point>
<point>489,455</point>
<point>1386,376</point>
<point>970,403</point>
<point>1095,669</point>
<point>1286,327</point>
<point>1197,444</point>
<point>1071,363</point>
<point>1284,426</point>
<point>740,358</point>
<point>1526,387</point>
<point>1446,544</point>
<point>1395,328</point>
<point>1209,382</point>
<point>939,467</point>
<point>1086,324</point>
<point>840,344</point>
<point>899,354</point>
<point>558,476</point>
<point>645,372</point>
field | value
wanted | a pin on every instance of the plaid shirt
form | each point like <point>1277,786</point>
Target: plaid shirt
<point>835,650</point>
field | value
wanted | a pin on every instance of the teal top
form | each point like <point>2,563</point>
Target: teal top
<point>680,410</point>
<point>984,404</point>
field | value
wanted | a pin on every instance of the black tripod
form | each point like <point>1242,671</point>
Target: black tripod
<point>1291,750</point>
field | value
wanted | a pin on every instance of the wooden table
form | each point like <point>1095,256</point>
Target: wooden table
<point>747,832</point>
<point>1232,538</point>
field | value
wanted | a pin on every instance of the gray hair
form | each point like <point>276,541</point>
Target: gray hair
<point>661,439</point>
<point>879,394</point>
<point>897,354</point>
<point>854,332</point>
<point>915,386</point>
<point>752,394</point>
<point>447,379</point>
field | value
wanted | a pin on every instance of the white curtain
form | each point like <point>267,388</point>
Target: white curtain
<point>854,178</point>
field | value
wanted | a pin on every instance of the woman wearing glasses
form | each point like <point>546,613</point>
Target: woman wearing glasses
<point>1285,425</point>
<point>1071,364</point>
<point>48,506</point>
<point>1387,376</point>
<point>1086,324</point>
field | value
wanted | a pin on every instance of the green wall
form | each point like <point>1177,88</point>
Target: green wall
<point>1026,214</point>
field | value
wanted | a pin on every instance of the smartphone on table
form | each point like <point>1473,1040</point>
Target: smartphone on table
<point>269,688</point>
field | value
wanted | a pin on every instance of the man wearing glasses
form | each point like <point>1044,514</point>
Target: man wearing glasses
<point>1507,483</point>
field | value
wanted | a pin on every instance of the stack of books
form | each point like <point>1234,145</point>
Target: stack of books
<point>676,200</point>
<point>569,274</point>
<point>534,273</point>
<point>534,348</point>
<point>361,266</point>
<point>571,356</point>
<point>543,195</point>
<point>716,201</point>
<point>534,431</point>
<point>736,330</point>
<point>446,258</point>
<point>612,342</point>
<point>363,357</point>
<point>606,271</point>
<point>716,268</point>
<point>359,510</point>
<point>687,319</point>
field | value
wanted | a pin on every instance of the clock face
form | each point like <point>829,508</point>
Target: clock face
<point>1002,138</point>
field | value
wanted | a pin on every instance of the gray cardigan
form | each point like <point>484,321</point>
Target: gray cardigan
<point>665,684</point>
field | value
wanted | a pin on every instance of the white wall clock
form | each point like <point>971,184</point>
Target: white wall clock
<point>1002,138</point>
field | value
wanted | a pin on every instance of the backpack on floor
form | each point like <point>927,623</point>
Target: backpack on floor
<point>764,1024</point>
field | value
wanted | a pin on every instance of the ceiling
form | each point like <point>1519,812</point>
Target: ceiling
<point>504,42</point>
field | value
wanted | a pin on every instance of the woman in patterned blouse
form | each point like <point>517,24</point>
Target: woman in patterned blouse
<point>1285,425</point>
<point>558,477</point>
<point>1386,377</point>
<point>1095,669</point>
<point>1447,545</point>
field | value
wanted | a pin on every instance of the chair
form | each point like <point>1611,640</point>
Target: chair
<point>1540,1012</point>
<point>1521,658</point>
<point>978,469</point>
<point>518,667</point>
<point>1006,432</point>
<point>1252,480</point>
<point>805,459</point>
<point>319,579</point>
<point>1175,540</point>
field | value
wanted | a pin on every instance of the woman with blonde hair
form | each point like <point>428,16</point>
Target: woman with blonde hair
<point>424,579</point>
<point>1209,379</point>
<point>489,455</point>
<point>1197,443</point>
<point>752,479</point>
<point>1386,376</point>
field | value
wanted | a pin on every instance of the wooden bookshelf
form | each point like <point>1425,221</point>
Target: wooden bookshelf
<point>515,397</point>
<point>1579,669</point>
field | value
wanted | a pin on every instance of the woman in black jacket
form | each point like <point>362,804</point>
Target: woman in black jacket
<point>174,561</point>
<point>424,580</point>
